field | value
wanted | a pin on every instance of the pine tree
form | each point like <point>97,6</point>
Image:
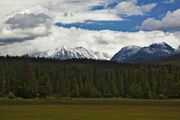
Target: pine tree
<point>105,89</point>
<point>33,87</point>
<point>75,89</point>
<point>136,91</point>
<point>178,90</point>
<point>44,88</point>
<point>22,89</point>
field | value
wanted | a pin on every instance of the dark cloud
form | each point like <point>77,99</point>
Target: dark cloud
<point>6,41</point>
<point>24,27</point>
<point>101,41</point>
<point>24,21</point>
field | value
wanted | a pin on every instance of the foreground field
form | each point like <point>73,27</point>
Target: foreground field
<point>89,109</point>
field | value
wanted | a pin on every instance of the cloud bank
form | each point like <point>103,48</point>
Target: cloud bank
<point>72,11</point>
<point>170,22</point>
<point>103,41</point>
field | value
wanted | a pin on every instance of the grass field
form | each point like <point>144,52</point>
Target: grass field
<point>89,109</point>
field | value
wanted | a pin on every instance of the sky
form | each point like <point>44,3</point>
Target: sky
<point>101,25</point>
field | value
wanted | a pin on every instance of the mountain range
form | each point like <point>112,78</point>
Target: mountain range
<point>128,54</point>
<point>150,53</point>
<point>71,53</point>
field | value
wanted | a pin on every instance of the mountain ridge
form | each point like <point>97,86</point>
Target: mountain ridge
<point>65,53</point>
<point>145,54</point>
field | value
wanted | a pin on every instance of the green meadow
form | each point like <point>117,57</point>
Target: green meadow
<point>89,109</point>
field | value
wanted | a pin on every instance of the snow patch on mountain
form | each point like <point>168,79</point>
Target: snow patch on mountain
<point>157,49</point>
<point>125,53</point>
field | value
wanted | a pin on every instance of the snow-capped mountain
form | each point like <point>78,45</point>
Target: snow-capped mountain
<point>71,53</point>
<point>126,53</point>
<point>150,53</point>
<point>155,51</point>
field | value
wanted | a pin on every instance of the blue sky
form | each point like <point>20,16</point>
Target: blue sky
<point>130,23</point>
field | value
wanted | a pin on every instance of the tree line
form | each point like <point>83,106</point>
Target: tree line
<point>36,77</point>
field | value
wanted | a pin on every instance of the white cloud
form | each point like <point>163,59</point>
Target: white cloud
<point>169,1</point>
<point>103,41</point>
<point>169,22</point>
<point>79,10</point>
<point>72,11</point>
<point>130,7</point>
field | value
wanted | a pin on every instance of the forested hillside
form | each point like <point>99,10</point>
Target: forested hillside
<point>30,78</point>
